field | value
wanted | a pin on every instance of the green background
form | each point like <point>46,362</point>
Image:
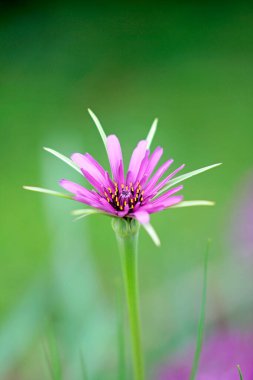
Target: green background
<point>190,65</point>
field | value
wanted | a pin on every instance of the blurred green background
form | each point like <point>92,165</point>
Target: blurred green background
<point>191,65</point>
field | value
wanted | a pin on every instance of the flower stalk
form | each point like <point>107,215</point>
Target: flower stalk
<point>127,232</point>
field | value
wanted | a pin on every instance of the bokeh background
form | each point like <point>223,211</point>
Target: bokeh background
<point>191,65</point>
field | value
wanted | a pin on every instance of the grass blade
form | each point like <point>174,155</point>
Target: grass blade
<point>183,177</point>
<point>240,372</point>
<point>65,159</point>
<point>151,133</point>
<point>201,318</point>
<point>53,359</point>
<point>47,191</point>
<point>83,367</point>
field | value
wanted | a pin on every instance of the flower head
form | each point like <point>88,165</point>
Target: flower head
<point>132,194</point>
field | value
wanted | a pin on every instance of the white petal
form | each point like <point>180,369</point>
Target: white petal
<point>63,158</point>
<point>99,127</point>
<point>193,203</point>
<point>151,133</point>
<point>86,212</point>
<point>47,191</point>
<point>150,230</point>
<point>183,177</point>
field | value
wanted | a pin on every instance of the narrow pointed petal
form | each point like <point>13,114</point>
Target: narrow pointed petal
<point>166,195</point>
<point>85,211</point>
<point>194,203</point>
<point>159,173</point>
<point>47,191</point>
<point>153,160</point>
<point>186,176</point>
<point>88,164</point>
<point>152,233</point>
<point>121,178</point>
<point>151,133</point>
<point>142,216</point>
<point>76,189</point>
<point>80,214</point>
<point>95,163</point>
<point>165,181</point>
<point>96,202</point>
<point>97,185</point>
<point>162,205</point>
<point>63,158</point>
<point>114,155</point>
<point>141,177</point>
<point>99,127</point>
<point>135,161</point>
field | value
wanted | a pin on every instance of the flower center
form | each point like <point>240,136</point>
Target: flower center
<point>125,196</point>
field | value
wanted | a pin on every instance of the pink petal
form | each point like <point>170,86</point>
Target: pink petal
<point>171,175</point>
<point>75,188</point>
<point>153,161</point>
<point>89,164</point>
<point>166,195</point>
<point>135,161</point>
<point>140,176</point>
<point>142,216</point>
<point>97,185</point>
<point>114,155</point>
<point>159,173</point>
<point>159,206</point>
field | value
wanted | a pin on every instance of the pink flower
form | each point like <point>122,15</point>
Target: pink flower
<point>219,358</point>
<point>136,193</point>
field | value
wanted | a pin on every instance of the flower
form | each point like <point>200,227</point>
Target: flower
<point>221,354</point>
<point>135,194</point>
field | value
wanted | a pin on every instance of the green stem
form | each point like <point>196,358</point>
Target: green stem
<point>128,242</point>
